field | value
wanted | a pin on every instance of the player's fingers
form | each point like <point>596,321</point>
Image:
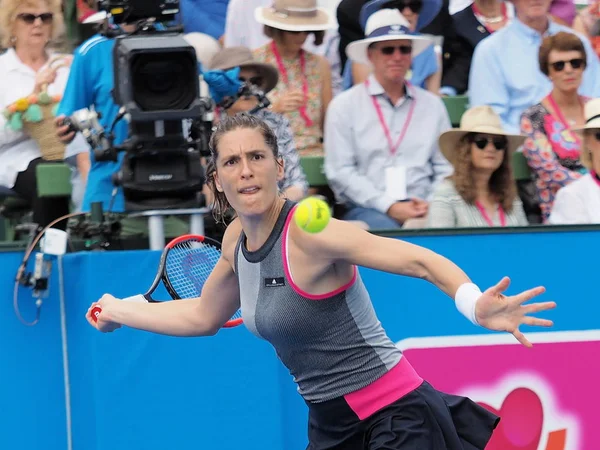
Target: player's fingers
<point>529,294</point>
<point>537,307</point>
<point>521,338</point>
<point>535,322</point>
<point>501,286</point>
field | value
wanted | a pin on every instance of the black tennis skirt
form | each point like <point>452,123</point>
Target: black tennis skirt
<point>424,419</point>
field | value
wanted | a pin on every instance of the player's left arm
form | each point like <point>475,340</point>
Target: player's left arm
<point>343,242</point>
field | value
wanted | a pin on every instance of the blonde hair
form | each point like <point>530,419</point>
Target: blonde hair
<point>8,15</point>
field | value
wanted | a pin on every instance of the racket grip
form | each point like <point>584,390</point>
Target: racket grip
<point>96,310</point>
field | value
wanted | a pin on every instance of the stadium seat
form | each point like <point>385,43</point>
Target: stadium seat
<point>456,106</point>
<point>314,170</point>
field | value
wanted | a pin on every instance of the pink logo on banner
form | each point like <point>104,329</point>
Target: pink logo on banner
<point>547,396</point>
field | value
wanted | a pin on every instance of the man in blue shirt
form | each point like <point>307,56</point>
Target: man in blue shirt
<point>505,71</point>
<point>90,84</point>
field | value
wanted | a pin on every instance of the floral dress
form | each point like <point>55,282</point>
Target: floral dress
<point>306,123</point>
<point>552,151</point>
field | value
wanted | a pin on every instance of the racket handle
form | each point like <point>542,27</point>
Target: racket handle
<point>96,310</point>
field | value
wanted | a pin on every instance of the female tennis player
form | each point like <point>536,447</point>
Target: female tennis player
<point>361,391</point>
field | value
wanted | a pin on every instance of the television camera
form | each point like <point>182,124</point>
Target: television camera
<point>157,87</point>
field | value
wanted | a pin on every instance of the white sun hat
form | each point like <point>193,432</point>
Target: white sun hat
<point>385,25</point>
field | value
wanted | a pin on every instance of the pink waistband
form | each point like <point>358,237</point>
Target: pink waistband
<point>395,384</point>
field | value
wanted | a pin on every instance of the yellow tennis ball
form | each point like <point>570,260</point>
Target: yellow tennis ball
<point>312,214</point>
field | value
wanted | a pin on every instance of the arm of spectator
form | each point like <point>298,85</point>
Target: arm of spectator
<point>486,83</point>
<point>78,93</point>
<point>326,88</point>
<point>360,72</point>
<point>541,159</point>
<point>441,167</point>
<point>567,209</point>
<point>590,85</point>
<point>294,179</point>
<point>340,162</point>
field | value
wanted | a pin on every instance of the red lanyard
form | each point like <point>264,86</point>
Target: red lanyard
<point>283,71</point>
<point>478,14</point>
<point>485,216</point>
<point>559,115</point>
<point>386,130</point>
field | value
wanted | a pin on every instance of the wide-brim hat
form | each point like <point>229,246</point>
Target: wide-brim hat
<point>385,25</point>
<point>479,119</point>
<point>429,11</point>
<point>591,111</point>
<point>231,57</point>
<point>295,15</point>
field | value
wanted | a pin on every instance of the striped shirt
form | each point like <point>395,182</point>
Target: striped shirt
<point>449,210</point>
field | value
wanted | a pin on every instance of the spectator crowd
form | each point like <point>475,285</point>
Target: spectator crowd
<point>363,86</point>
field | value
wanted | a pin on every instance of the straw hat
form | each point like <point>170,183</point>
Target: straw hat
<point>591,111</point>
<point>385,25</point>
<point>295,15</point>
<point>479,119</point>
<point>231,57</point>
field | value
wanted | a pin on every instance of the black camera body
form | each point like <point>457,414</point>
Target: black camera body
<point>157,86</point>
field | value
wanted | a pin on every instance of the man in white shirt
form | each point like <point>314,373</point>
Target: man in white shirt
<point>382,158</point>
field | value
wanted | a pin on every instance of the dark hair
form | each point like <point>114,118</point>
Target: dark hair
<point>562,41</point>
<point>502,184</point>
<point>276,32</point>
<point>221,206</point>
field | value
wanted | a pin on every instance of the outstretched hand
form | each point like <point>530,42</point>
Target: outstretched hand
<point>498,312</point>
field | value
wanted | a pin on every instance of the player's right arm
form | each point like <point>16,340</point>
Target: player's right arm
<point>202,316</point>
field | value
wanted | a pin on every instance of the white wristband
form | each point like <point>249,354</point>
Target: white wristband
<point>466,300</point>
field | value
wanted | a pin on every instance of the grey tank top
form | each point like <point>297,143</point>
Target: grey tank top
<point>332,344</point>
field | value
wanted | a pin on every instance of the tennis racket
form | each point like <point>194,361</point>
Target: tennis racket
<point>185,264</point>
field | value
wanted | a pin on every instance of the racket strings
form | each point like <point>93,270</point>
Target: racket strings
<point>188,266</point>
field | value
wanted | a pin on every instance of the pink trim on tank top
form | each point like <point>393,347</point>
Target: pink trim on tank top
<point>395,384</point>
<point>288,273</point>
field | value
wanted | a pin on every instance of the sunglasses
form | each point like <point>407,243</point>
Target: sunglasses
<point>389,50</point>
<point>29,18</point>
<point>499,142</point>
<point>415,6</point>
<point>576,63</point>
<point>256,81</point>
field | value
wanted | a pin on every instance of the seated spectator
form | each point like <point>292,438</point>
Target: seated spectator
<point>579,202</point>
<point>587,23</point>
<point>352,25</point>
<point>469,27</point>
<point>293,185</point>
<point>481,192</point>
<point>552,149</point>
<point>240,31</point>
<point>27,70</point>
<point>425,70</point>
<point>504,73</point>
<point>304,89</point>
<point>381,152</point>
